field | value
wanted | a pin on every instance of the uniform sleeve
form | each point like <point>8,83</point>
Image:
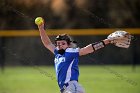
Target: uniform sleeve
<point>55,51</point>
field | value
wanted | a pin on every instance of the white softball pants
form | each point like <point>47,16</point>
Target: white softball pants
<point>73,87</point>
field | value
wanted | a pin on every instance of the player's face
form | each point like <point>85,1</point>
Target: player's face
<point>62,44</point>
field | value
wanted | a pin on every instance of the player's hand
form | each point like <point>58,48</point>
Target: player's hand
<point>41,26</point>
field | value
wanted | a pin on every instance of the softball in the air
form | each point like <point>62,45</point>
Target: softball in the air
<point>39,20</point>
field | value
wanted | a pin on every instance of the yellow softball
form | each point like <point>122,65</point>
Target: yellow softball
<point>39,21</point>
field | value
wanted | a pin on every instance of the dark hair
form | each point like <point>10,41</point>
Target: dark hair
<point>63,37</point>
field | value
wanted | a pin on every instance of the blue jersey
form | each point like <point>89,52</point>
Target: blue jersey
<point>66,66</point>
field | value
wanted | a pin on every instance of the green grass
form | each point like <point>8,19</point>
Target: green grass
<point>95,79</point>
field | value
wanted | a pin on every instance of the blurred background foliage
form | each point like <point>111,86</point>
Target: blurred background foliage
<point>20,14</point>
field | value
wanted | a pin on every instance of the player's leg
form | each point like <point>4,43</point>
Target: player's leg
<point>74,87</point>
<point>80,89</point>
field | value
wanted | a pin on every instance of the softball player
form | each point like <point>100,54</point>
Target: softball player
<point>67,58</point>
